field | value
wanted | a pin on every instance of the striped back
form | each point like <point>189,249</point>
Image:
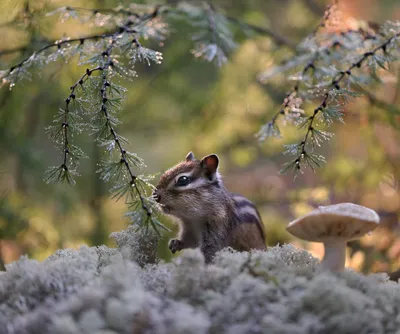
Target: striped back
<point>247,212</point>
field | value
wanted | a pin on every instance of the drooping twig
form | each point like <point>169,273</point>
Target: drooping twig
<point>293,100</point>
<point>122,151</point>
<point>293,93</point>
<point>72,96</point>
<point>335,85</point>
<point>103,111</point>
<point>104,99</point>
<point>329,12</point>
<point>363,58</point>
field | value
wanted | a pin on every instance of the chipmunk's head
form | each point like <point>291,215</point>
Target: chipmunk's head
<point>189,188</point>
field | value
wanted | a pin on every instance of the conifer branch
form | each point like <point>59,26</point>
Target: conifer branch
<point>122,151</point>
<point>94,11</point>
<point>216,41</point>
<point>279,40</point>
<point>205,52</point>
<point>211,22</point>
<point>103,108</point>
<point>301,152</point>
<point>331,91</point>
<point>329,12</point>
<point>68,100</point>
<point>292,98</point>
<point>363,58</point>
<point>125,158</point>
<point>71,153</point>
<point>294,92</point>
<point>59,43</point>
<point>311,65</point>
<point>115,137</point>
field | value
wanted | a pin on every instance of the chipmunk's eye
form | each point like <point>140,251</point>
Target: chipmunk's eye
<point>183,181</point>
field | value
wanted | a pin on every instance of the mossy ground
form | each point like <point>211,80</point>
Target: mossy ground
<point>104,290</point>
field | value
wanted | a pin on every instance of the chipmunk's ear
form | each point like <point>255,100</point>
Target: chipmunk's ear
<point>210,165</point>
<point>190,157</point>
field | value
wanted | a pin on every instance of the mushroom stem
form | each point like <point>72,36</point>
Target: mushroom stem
<point>335,254</point>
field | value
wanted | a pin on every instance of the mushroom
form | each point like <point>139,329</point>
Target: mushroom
<point>334,225</point>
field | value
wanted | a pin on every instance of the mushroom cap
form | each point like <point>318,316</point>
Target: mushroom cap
<point>345,221</point>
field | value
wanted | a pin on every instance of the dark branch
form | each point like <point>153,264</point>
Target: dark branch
<point>104,99</point>
<point>364,57</point>
<point>57,44</point>
<point>280,40</point>
<point>72,96</point>
<point>311,65</point>
<point>329,12</point>
<point>81,40</point>
<point>295,89</point>
<point>95,11</point>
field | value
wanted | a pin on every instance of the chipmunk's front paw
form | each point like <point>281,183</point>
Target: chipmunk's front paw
<point>175,245</point>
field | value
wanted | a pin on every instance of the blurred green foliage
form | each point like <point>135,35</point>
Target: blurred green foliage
<point>187,104</point>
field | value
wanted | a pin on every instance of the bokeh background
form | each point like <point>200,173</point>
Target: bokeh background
<point>184,105</point>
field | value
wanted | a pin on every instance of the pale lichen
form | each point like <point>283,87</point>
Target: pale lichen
<point>281,290</point>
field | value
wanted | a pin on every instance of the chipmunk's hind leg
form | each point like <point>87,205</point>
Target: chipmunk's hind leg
<point>247,236</point>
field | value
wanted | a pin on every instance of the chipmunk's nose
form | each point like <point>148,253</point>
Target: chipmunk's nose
<point>157,196</point>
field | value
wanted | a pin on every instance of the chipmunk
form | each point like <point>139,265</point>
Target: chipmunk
<point>210,216</point>
<point>394,276</point>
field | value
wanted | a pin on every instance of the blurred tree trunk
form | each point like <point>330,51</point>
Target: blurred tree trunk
<point>27,134</point>
<point>100,232</point>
